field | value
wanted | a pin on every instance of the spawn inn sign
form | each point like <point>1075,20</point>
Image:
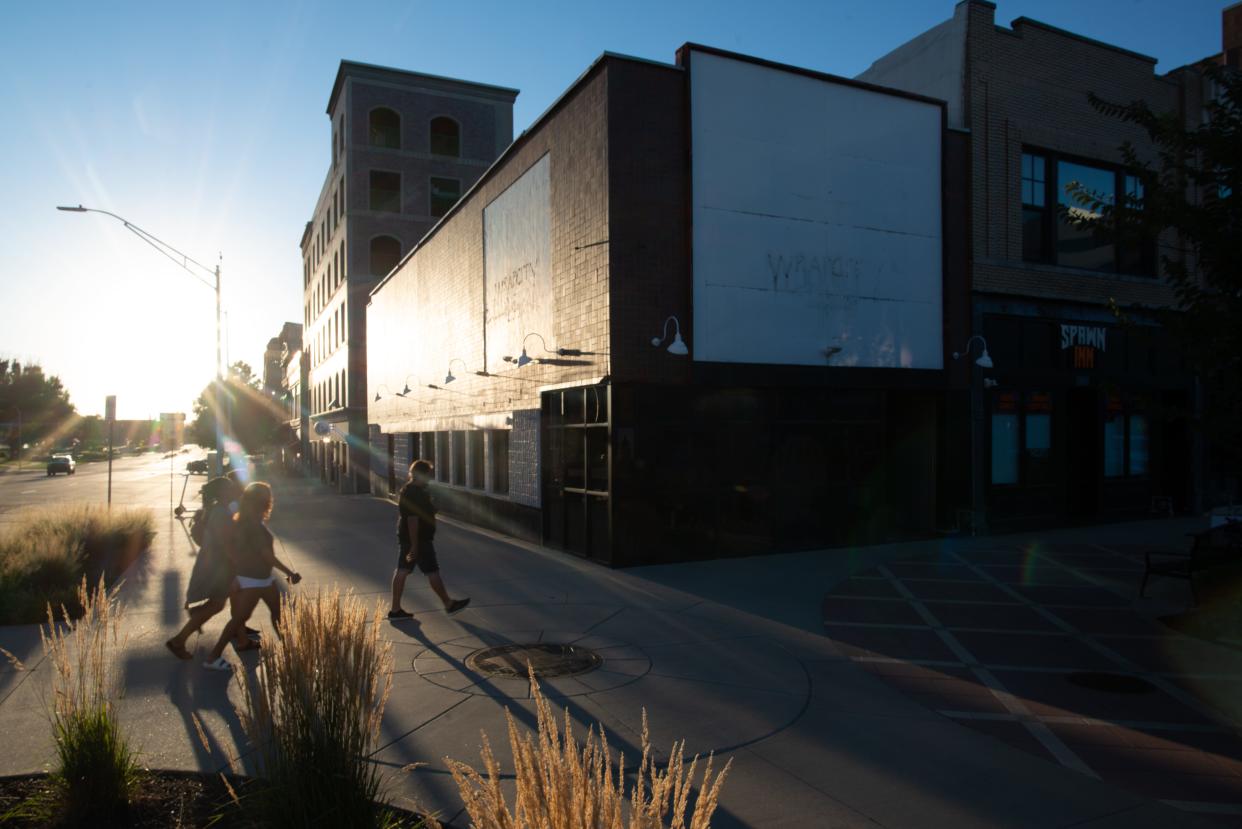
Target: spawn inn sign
<point>1085,340</point>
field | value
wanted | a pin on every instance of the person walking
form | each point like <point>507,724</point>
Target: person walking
<point>211,579</point>
<point>416,532</point>
<point>254,558</point>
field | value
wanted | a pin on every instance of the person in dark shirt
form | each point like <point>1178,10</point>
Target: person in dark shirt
<point>416,532</point>
<point>211,581</point>
<point>253,558</point>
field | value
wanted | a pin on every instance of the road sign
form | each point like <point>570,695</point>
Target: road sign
<point>110,407</point>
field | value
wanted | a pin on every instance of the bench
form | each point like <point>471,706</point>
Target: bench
<point>1209,548</point>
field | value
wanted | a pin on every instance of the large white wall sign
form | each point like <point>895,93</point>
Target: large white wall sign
<point>517,266</point>
<point>817,220</point>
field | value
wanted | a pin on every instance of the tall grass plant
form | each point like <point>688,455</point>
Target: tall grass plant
<point>313,711</point>
<point>96,770</point>
<point>45,553</point>
<point>561,785</point>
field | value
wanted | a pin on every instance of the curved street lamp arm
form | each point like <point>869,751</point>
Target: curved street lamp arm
<point>154,241</point>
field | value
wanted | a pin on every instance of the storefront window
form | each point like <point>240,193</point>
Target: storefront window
<point>1138,444</point>
<point>1004,448</point>
<point>1114,446</point>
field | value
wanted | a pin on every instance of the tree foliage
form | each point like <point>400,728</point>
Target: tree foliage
<point>254,419</point>
<point>46,413</point>
<point>1192,194</point>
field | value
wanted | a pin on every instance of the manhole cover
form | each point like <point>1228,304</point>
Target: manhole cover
<point>1111,683</point>
<point>547,660</point>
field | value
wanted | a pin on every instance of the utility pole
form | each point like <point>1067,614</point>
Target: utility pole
<point>110,416</point>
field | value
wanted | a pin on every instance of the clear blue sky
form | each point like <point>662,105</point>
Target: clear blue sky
<point>205,125</point>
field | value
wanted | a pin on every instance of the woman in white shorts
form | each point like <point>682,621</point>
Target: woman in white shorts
<point>254,558</point>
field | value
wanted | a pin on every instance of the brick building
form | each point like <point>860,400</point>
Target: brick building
<point>404,146</point>
<point>1074,416</point>
<point>676,319</point>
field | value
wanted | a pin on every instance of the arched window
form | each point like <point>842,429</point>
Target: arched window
<point>445,137</point>
<point>385,254</point>
<point>385,128</point>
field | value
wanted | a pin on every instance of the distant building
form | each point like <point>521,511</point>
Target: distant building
<point>404,147</point>
<point>1073,419</point>
<point>278,348</point>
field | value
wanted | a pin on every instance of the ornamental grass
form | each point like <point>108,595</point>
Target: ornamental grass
<point>45,553</point>
<point>561,785</point>
<point>96,770</point>
<point>313,712</point>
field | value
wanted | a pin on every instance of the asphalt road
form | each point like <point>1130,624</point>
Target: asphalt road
<point>139,481</point>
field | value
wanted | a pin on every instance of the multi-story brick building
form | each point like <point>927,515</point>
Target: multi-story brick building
<point>694,310</point>
<point>1075,415</point>
<point>404,147</point>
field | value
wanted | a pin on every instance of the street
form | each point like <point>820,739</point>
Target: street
<point>141,480</point>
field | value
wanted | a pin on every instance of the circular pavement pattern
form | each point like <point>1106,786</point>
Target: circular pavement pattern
<point>542,659</point>
<point>470,665</point>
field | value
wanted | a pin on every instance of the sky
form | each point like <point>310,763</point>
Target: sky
<point>205,126</point>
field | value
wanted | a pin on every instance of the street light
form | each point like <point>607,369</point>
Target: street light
<point>184,262</point>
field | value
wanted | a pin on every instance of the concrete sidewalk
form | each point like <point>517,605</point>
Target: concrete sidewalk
<point>728,655</point>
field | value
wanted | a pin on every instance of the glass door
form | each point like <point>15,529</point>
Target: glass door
<point>577,471</point>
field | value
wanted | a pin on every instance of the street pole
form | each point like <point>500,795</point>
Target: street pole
<point>184,262</point>
<point>110,416</point>
<point>110,464</point>
<point>19,439</point>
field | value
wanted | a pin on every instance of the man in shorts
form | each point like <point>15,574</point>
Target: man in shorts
<point>416,531</point>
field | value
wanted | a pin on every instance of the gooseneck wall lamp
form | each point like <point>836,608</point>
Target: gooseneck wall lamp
<point>526,359</point>
<point>984,360</point>
<point>377,394</point>
<point>406,391</point>
<point>677,346</point>
<point>448,377</point>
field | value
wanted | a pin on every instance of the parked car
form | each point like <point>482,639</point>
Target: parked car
<point>61,463</point>
<point>198,467</point>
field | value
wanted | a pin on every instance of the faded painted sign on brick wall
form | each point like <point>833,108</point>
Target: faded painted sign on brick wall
<point>517,265</point>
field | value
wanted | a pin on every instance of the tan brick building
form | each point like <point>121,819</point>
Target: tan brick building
<point>1077,417</point>
<point>404,147</point>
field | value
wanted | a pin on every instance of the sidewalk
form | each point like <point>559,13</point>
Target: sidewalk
<point>729,655</point>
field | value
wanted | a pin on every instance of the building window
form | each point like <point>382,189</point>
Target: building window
<point>385,254</point>
<point>1022,438</point>
<point>1126,440</point>
<point>386,191</point>
<point>444,194</point>
<point>442,457</point>
<point>1052,216</point>
<point>474,452</point>
<point>458,448</point>
<point>445,137</point>
<point>1034,209</point>
<point>498,455</point>
<point>385,128</point>
<point>1005,439</point>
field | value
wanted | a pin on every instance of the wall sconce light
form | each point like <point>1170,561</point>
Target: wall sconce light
<point>448,377</point>
<point>526,359</point>
<point>406,391</point>
<point>677,346</point>
<point>377,394</point>
<point>984,360</point>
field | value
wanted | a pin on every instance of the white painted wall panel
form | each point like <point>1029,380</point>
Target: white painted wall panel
<point>517,263</point>
<point>817,220</point>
